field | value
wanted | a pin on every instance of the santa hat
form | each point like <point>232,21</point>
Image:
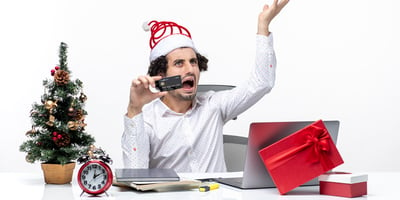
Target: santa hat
<point>167,36</point>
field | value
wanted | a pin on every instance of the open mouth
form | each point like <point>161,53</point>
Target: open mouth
<point>188,82</point>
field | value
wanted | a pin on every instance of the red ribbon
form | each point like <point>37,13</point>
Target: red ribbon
<point>315,139</point>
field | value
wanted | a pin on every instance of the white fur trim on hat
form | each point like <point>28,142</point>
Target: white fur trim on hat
<point>169,44</point>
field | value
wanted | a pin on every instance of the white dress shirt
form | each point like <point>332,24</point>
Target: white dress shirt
<point>192,141</point>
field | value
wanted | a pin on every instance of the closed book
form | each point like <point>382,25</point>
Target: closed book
<point>161,186</point>
<point>146,175</point>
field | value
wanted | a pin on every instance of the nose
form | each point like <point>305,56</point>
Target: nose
<point>189,68</point>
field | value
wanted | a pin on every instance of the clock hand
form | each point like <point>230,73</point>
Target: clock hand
<point>95,176</point>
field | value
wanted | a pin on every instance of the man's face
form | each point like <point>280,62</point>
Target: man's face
<point>183,62</point>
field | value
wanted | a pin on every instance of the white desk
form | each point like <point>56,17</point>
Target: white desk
<point>381,185</point>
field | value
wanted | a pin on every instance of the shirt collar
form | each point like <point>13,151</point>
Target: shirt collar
<point>165,110</point>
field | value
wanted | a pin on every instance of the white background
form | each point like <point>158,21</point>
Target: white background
<point>336,60</point>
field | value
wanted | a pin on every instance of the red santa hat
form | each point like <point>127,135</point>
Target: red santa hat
<point>167,36</point>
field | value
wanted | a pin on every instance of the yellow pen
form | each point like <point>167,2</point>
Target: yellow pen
<point>211,186</point>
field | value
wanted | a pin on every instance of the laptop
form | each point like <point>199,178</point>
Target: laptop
<point>262,134</point>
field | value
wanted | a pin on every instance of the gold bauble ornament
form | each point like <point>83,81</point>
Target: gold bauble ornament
<point>51,120</point>
<point>73,125</point>
<point>50,104</point>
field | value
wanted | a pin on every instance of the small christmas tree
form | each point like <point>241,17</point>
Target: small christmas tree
<point>58,129</point>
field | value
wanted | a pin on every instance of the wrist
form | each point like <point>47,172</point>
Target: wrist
<point>263,29</point>
<point>133,111</point>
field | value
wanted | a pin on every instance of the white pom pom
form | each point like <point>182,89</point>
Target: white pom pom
<point>146,26</point>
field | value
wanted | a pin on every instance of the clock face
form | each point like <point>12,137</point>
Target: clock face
<point>95,177</point>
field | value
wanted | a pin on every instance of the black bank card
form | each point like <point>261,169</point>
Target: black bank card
<point>169,83</point>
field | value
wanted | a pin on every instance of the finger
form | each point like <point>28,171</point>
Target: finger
<point>150,80</point>
<point>135,83</point>
<point>265,7</point>
<point>145,80</point>
<point>275,3</point>
<point>282,4</point>
<point>161,94</point>
<point>154,79</point>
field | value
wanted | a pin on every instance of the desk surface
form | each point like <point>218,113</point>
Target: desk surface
<point>381,185</point>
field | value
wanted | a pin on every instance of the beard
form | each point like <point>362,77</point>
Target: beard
<point>188,97</point>
<point>183,97</point>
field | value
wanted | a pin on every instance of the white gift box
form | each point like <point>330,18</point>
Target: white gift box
<point>343,184</point>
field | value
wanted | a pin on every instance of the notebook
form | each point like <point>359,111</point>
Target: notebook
<point>145,175</point>
<point>262,134</point>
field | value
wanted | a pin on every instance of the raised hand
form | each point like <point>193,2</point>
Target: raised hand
<point>268,13</point>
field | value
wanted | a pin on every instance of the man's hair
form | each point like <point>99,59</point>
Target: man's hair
<point>159,65</point>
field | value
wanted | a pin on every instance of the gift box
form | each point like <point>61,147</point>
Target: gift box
<point>300,157</point>
<point>343,184</point>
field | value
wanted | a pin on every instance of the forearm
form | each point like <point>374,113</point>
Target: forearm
<point>262,78</point>
<point>135,143</point>
<point>265,62</point>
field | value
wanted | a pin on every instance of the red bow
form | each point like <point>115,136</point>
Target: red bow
<point>313,137</point>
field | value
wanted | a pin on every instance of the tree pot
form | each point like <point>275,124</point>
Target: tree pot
<point>57,173</point>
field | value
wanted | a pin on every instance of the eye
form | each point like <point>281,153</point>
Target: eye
<point>193,61</point>
<point>178,63</point>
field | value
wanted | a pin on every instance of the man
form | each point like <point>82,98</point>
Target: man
<point>179,129</point>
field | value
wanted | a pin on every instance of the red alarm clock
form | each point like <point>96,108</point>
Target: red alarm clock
<point>95,176</point>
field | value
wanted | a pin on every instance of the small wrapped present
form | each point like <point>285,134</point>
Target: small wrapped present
<point>343,184</point>
<point>300,157</point>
